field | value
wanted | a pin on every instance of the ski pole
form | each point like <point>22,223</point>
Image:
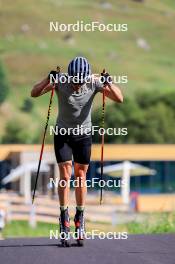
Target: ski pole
<point>102,141</point>
<point>44,136</point>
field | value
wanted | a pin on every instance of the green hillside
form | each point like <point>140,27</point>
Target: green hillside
<point>28,50</point>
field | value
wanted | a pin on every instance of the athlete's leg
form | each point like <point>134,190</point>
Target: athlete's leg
<point>63,154</point>
<point>65,169</point>
<point>81,149</point>
<point>80,171</point>
<point>80,194</point>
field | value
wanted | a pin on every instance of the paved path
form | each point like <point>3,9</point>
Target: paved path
<point>137,249</point>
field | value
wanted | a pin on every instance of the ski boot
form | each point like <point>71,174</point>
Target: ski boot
<point>64,222</point>
<point>79,227</point>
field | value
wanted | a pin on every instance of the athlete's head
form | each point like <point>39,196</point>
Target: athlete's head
<point>79,70</point>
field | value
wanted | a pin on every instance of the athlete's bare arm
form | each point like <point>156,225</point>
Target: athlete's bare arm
<point>113,92</point>
<point>41,88</point>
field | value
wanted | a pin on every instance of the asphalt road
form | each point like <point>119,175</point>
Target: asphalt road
<point>137,249</point>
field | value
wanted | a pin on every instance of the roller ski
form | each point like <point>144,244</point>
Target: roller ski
<point>64,222</point>
<point>79,228</point>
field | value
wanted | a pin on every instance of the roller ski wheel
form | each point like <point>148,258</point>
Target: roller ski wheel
<point>80,242</point>
<point>65,243</point>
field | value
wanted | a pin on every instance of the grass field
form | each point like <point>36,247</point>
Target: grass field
<point>153,224</point>
<point>30,54</point>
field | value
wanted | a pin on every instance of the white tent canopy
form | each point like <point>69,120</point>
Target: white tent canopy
<point>16,173</point>
<point>23,173</point>
<point>125,170</point>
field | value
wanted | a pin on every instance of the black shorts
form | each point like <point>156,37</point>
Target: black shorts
<point>67,146</point>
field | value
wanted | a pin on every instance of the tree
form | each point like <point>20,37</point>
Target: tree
<point>159,125</point>
<point>15,132</point>
<point>149,118</point>
<point>27,105</point>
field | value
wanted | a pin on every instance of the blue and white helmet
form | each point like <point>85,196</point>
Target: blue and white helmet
<point>79,70</point>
